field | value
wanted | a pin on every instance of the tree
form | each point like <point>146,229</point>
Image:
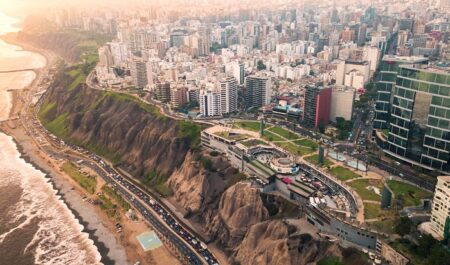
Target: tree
<point>207,163</point>
<point>321,127</point>
<point>403,226</point>
<point>344,127</point>
<point>426,243</point>
<point>438,255</point>
<point>260,65</point>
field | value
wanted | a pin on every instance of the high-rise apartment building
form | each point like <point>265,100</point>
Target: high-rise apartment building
<point>440,212</point>
<point>386,79</point>
<point>259,90</point>
<point>238,73</point>
<point>342,99</point>
<point>178,96</point>
<point>228,94</point>
<point>317,106</point>
<point>177,38</point>
<point>419,123</point>
<point>402,38</point>
<point>210,104</point>
<point>348,35</point>
<point>139,73</point>
<point>162,91</point>
<point>193,94</point>
<point>119,52</point>
<point>354,73</point>
<point>105,57</point>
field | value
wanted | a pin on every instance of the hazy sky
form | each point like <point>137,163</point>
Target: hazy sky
<point>21,7</point>
<point>27,6</point>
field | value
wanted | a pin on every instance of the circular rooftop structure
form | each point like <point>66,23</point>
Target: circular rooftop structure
<point>283,165</point>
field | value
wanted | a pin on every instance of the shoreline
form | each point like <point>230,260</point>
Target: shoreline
<point>11,39</point>
<point>57,182</point>
<point>101,248</point>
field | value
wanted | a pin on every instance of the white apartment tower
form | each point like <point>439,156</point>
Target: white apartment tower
<point>440,212</point>
<point>342,99</point>
<point>238,72</point>
<point>210,103</point>
<point>228,94</point>
<point>105,57</point>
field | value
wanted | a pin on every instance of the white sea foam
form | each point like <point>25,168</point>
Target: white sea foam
<point>59,238</point>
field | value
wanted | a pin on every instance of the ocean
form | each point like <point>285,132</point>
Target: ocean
<point>36,226</point>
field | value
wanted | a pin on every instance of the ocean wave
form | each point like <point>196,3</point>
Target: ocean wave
<point>60,238</point>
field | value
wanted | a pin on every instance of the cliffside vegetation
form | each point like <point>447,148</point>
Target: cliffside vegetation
<point>87,182</point>
<point>117,126</point>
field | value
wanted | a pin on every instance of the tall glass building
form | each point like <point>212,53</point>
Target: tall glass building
<point>419,123</point>
<point>386,78</point>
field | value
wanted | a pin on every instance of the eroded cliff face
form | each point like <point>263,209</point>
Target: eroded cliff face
<point>241,223</point>
<point>117,126</point>
<point>197,189</point>
<point>240,207</point>
<point>265,243</point>
<point>275,242</point>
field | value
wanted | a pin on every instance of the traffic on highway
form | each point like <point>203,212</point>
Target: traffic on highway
<point>153,212</point>
<point>135,195</point>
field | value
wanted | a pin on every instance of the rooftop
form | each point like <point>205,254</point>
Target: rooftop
<point>429,69</point>
<point>409,59</point>
<point>444,178</point>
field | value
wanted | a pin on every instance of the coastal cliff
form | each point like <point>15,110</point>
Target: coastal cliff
<point>160,151</point>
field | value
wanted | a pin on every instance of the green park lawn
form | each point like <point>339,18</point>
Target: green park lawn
<point>384,226</point>
<point>373,210</point>
<point>112,193</point>
<point>295,149</point>
<point>360,187</point>
<point>248,125</point>
<point>284,133</point>
<point>343,173</point>
<point>307,143</point>
<point>271,137</point>
<point>314,159</point>
<point>409,194</point>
